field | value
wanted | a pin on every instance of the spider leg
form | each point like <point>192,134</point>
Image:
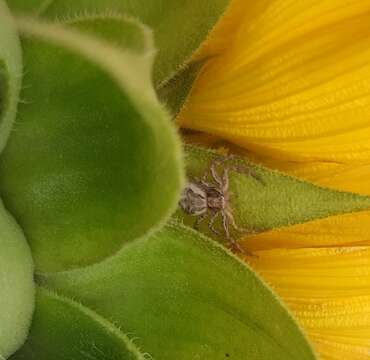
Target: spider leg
<point>247,169</point>
<point>198,221</point>
<point>203,180</point>
<point>238,228</point>
<point>225,224</point>
<point>225,181</point>
<point>215,176</point>
<point>232,221</point>
<point>242,168</point>
<point>211,223</point>
<point>234,244</point>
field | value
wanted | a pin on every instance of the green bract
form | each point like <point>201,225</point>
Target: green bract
<point>16,266</point>
<point>16,284</point>
<point>64,329</point>
<point>179,26</point>
<point>183,297</point>
<point>101,147</point>
<point>263,199</point>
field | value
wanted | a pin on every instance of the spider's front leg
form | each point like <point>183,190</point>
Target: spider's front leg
<point>199,219</point>
<point>212,222</point>
<point>234,244</point>
<point>232,221</point>
<point>225,224</point>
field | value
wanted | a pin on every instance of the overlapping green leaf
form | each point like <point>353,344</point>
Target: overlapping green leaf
<point>184,297</point>
<point>175,91</point>
<point>63,329</point>
<point>91,148</point>
<point>263,199</point>
<point>16,266</point>
<point>10,72</point>
<point>120,31</point>
<point>179,26</point>
<point>16,284</point>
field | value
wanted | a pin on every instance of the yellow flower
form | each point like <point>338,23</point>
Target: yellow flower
<point>289,83</point>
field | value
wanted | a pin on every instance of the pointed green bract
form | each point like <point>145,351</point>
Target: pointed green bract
<point>10,72</point>
<point>174,92</point>
<point>179,26</point>
<point>263,199</point>
<point>184,297</point>
<point>64,330</point>
<point>91,148</point>
<point>16,284</point>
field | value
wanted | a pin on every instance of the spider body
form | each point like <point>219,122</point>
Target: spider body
<point>199,198</point>
<point>202,199</point>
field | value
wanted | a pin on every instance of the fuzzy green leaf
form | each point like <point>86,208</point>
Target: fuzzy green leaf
<point>10,72</point>
<point>64,330</point>
<point>185,297</point>
<point>179,26</point>
<point>263,199</point>
<point>91,148</point>
<point>16,284</point>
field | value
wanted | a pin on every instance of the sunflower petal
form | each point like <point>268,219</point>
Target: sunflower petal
<point>328,291</point>
<point>293,82</point>
<point>343,230</point>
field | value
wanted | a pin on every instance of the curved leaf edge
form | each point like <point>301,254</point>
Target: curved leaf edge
<point>110,59</point>
<point>245,266</point>
<point>148,44</point>
<point>17,307</point>
<point>42,278</point>
<point>182,67</point>
<point>105,324</point>
<point>10,73</point>
<point>188,72</point>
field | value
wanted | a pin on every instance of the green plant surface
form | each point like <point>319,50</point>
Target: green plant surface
<point>184,297</point>
<point>179,26</point>
<point>63,329</point>
<point>264,199</point>
<point>174,92</point>
<point>10,72</point>
<point>16,265</point>
<point>91,148</point>
<point>120,31</point>
<point>27,6</point>
<point>16,284</point>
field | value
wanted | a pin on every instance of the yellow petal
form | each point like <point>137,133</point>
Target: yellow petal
<point>328,290</point>
<point>292,83</point>
<point>345,177</point>
<point>345,230</point>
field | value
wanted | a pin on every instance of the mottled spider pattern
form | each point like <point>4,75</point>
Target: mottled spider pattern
<point>202,198</point>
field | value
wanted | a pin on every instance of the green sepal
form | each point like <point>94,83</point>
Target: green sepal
<point>263,199</point>
<point>175,91</point>
<point>63,329</point>
<point>184,297</point>
<point>179,26</point>
<point>16,283</point>
<point>91,148</point>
